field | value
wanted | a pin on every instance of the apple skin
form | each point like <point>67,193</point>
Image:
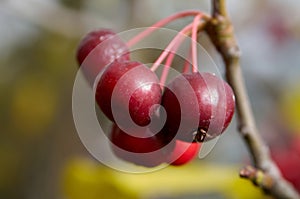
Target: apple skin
<point>197,102</point>
<point>130,87</point>
<point>140,147</point>
<point>183,152</point>
<point>99,48</point>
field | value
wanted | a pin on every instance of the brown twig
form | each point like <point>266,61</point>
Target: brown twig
<point>258,177</point>
<point>220,31</point>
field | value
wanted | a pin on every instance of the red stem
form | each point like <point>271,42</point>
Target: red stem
<point>167,66</point>
<point>174,49</point>
<point>161,23</point>
<point>194,43</point>
<point>187,63</point>
<point>178,39</point>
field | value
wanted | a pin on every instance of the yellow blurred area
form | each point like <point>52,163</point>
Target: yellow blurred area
<point>290,108</point>
<point>34,104</point>
<point>86,179</point>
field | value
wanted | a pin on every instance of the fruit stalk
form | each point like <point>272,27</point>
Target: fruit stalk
<point>175,44</point>
<point>170,48</point>
<point>221,33</point>
<point>162,23</point>
<point>186,66</point>
<point>171,55</point>
<point>194,43</point>
<point>167,66</point>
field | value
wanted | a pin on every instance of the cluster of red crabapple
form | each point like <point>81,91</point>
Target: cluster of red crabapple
<point>128,93</point>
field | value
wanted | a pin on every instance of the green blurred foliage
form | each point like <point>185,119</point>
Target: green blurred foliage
<point>36,87</point>
<point>43,70</point>
<point>73,4</point>
<point>10,162</point>
<point>34,104</point>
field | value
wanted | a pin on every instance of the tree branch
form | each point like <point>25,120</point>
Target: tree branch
<point>221,33</point>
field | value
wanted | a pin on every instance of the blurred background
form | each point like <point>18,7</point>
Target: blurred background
<point>41,155</point>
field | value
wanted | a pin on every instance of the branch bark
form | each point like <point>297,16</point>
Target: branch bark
<point>221,33</point>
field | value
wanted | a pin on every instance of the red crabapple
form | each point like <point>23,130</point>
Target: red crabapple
<point>128,87</point>
<point>139,146</point>
<point>183,152</point>
<point>202,96</point>
<point>99,48</point>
